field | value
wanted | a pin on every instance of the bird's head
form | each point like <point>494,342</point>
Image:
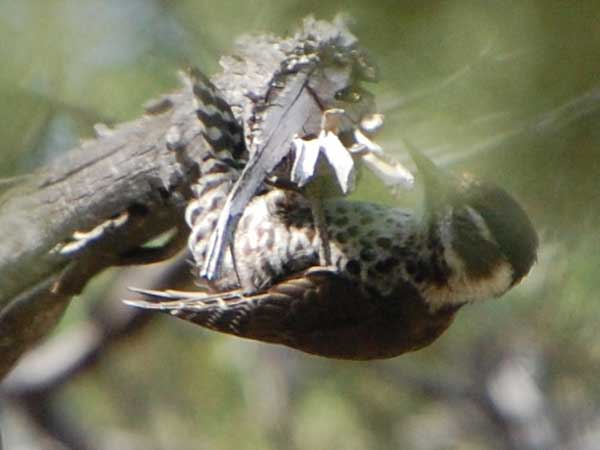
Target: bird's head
<point>488,240</point>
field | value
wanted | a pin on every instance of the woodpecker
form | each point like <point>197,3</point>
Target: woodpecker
<point>397,277</point>
<point>310,102</point>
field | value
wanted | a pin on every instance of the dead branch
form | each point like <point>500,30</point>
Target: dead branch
<point>127,171</point>
<point>140,171</point>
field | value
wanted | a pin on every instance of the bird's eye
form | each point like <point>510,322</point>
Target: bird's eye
<point>348,95</point>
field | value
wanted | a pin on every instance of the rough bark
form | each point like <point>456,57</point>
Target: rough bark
<point>142,168</point>
<point>129,169</point>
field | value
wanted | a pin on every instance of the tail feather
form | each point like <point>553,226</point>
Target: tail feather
<point>173,299</point>
<point>218,171</point>
<point>224,312</point>
<point>143,304</point>
<point>222,131</point>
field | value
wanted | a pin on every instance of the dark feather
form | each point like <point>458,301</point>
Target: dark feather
<point>320,312</point>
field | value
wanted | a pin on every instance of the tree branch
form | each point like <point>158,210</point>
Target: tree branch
<point>141,171</point>
<point>128,171</point>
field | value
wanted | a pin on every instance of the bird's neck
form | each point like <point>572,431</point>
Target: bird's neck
<point>467,265</point>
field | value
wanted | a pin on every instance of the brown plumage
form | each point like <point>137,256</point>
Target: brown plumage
<point>396,278</point>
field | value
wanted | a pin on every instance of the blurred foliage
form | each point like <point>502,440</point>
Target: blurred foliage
<point>455,76</point>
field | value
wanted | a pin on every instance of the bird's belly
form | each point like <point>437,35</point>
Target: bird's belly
<point>376,340</point>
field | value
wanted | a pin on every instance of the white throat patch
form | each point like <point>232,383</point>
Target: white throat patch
<point>462,288</point>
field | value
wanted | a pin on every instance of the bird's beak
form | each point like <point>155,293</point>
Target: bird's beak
<point>437,184</point>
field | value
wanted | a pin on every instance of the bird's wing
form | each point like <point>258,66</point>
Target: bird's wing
<point>317,311</point>
<point>310,300</point>
<point>280,123</point>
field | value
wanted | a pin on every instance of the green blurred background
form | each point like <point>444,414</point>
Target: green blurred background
<point>508,90</point>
